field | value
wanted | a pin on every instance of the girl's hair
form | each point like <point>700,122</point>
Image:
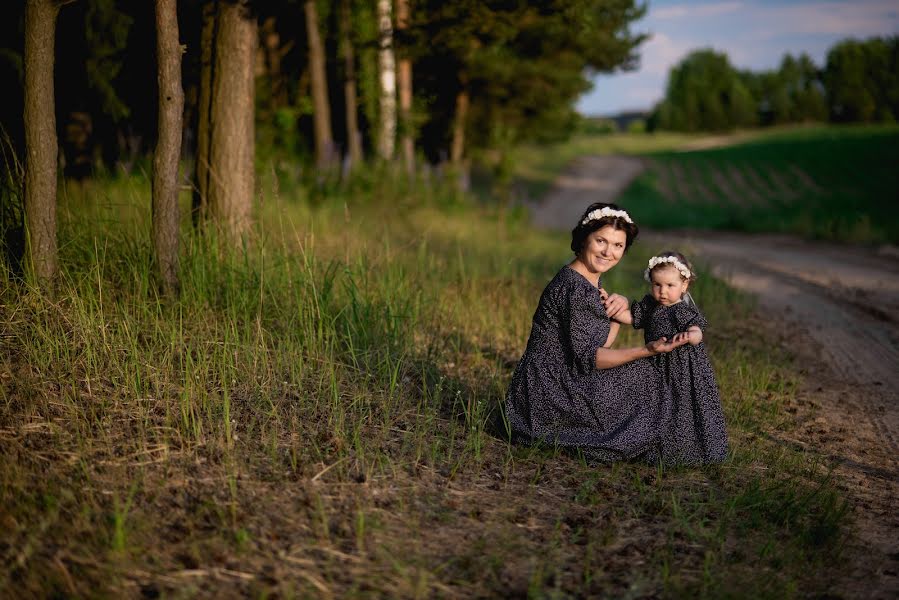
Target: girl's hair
<point>582,230</point>
<point>680,257</point>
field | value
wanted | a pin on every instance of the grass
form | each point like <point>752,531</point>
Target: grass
<point>319,415</point>
<point>836,183</point>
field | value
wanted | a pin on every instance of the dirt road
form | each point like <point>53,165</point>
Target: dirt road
<point>837,308</point>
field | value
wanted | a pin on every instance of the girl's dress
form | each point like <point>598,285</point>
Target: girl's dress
<point>696,433</point>
<point>558,396</point>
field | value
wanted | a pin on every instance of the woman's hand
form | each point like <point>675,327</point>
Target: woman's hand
<point>615,305</point>
<point>662,345</point>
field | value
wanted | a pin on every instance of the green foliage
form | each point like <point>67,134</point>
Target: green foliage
<point>860,83</point>
<point>705,93</point>
<point>862,80</point>
<point>522,63</point>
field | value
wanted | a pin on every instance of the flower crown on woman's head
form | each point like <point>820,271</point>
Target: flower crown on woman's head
<point>605,211</point>
<point>672,260</point>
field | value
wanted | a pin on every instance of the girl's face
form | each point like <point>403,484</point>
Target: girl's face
<point>668,287</point>
<point>603,249</point>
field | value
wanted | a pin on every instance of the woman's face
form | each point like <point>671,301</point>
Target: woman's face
<point>603,249</point>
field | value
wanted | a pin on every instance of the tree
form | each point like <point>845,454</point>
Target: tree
<point>404,81</point>
<point>705,93</point>
<point>168,145</point>
<point>862,80</point>
<point>354,138</point>
<point>225,143</point>
<point>324,141</point>
<point>40,140</point>
<point>387,78</point>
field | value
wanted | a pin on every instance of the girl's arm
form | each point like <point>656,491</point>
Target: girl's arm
<point>613,357</point>
<point>613,333</point>
<point>694,334</point>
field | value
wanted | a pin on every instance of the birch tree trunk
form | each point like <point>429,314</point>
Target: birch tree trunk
<point>387,77</point>
<point>232,129</point>
<point>354,138</point>
<point>168,145</point>
<point>324,141</point>
<point>404,80</point>
<point>41,145</point>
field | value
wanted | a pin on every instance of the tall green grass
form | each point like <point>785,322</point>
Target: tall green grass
<point>320,414</point>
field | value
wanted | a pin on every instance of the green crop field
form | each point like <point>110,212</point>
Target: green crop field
<point>320,415</point>
<point>839,183</point>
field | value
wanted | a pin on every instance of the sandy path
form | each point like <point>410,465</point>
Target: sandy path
<point>837,308</point>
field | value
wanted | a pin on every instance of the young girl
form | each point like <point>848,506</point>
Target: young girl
<point>697,433</point>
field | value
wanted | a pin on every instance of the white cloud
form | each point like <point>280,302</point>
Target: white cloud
<point>695,11</point>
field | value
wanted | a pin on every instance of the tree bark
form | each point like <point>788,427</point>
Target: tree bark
<point>232,129</point>
<point>387,77</point>
<point>271,43</point>
<point>457,150</point>
<point>404,81</point>
<point>354,138</point>
<point>41,145</point>
<point>200,204</point>
<point>166,219</point>
<point>458,144</point>
<point>324,140</point>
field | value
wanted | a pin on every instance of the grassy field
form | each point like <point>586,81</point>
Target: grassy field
<point>319,415</point>
<point>828,182</point>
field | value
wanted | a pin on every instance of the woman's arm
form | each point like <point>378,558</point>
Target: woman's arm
<point>607,358</point>
<point>613,333</point>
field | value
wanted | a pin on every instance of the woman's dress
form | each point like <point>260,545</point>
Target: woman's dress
<point>696,432</point>
<point>558,396</point>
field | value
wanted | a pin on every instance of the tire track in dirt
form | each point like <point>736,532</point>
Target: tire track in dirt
<point>837,308</point>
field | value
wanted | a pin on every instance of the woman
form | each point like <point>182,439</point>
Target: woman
<point>571,388</point>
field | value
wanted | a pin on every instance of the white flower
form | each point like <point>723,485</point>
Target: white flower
<point>606,212</point>
<point>672,260</point>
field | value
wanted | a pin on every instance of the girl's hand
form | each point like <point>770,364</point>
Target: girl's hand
<point>616,304</point>
<point>662,345</point>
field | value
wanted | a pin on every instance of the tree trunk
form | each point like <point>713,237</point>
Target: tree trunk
<point>458,145</point>
<point>231,140</point>
<point>457,151</point>
<point>324,141</point>
<point>200,204</point>
<point>271,44</point>
<point>354,139</point>
<point>40,140</point>
<point>168,145</point>
<point>387,76</point>
<point>404,81</point>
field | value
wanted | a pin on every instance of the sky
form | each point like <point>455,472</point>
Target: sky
<point>755,34</point>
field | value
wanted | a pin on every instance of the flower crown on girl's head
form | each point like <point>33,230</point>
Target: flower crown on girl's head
<point>605,211</point>
<point>672,260</point>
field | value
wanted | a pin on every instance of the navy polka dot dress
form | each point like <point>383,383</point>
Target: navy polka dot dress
<point>696,433</point>
<point>558,396</point>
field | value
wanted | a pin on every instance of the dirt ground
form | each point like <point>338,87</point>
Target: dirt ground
<point>836,308</point>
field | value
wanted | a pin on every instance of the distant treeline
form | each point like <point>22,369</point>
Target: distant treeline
<point>450,76</point>
<point>858,83</point>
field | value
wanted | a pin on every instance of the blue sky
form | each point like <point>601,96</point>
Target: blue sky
<point>755,34</point>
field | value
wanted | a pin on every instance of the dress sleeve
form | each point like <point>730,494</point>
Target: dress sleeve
<point>640,310</point>
<point>587,326</point>
<point>695,317</point>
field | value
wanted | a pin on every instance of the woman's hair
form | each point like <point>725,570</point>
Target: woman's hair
<point>587,226</point>
<point>680,257</point>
